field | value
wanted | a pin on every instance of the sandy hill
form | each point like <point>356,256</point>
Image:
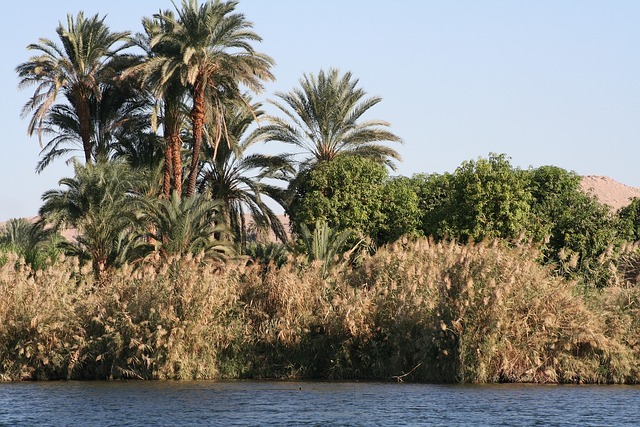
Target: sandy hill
<point>609,191</point>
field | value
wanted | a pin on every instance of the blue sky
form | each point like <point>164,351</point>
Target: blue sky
<point>544,81</point>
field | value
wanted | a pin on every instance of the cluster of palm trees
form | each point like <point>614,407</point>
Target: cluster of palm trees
<point>162,122</point>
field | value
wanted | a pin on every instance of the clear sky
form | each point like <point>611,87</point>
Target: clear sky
<point>548,82</point>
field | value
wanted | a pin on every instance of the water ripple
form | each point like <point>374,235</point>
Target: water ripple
<point>258,403</point>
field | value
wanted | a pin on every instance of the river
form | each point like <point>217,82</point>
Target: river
<point>255,403</point>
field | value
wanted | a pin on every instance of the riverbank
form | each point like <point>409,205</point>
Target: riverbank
<point>439,312</point>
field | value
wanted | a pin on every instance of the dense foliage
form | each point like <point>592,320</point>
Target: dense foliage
<point>482,199</point>
<point>434,311</point>
<point>176,265</point>
<point>345,192</point>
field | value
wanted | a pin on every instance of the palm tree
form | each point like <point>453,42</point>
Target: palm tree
<point>120,124</point>
<point>31,240</point>
<point>185,225</point>
<point>238,179</point>
<point>267,254</point>
<point>98,202</point>
<point>322,118</point>
<point>327,246</point>
<point>77,69</point>
<point>210,50</point>
<point>169,92</point>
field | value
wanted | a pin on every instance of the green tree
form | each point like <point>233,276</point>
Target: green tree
<point>345,192</point>
<point>548,183</point>
<point>483,199</point>
<point>490,199</point>
<point>588,229</point>
<point>238,178</point>
<point>553,190</point>
<point>77,69</point>
<point>209,48</point>
<point>580,231</point>
<point>323,118</point>
<point>434,192</point>
<point>400,210</point>
<point>98,202</point>
<point>180,226</point>
<point>630,220</point>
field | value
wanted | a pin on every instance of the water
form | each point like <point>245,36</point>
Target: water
<point>252,403</point>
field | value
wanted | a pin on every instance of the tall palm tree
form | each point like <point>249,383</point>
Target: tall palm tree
<point>211,52</point>
<point>168,91</point>
<point>238,178</point>
<point>77,69</point>
<point>322,117</point>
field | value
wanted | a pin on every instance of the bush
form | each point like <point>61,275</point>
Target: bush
<point>482,199</point>
<point>345,192</point>
<point>481,313</point>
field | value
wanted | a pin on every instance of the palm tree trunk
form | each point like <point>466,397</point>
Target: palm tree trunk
<point>168,168</point>
<point>197,118</point>
<point>84,118</point>
<point>177,162</point>
<point>227,234</point>
<point>173,154</point>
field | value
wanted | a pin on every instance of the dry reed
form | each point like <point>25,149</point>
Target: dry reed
<point>483,312</point>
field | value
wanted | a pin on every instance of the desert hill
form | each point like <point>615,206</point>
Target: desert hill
<point>609,191</point>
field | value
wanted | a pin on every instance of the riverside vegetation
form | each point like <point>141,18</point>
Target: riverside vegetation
<point>178,267</point>
<point>476,313</point>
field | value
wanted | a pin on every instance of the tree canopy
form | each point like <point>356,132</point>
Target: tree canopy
<point>323,118</point>
<point>182,106</point>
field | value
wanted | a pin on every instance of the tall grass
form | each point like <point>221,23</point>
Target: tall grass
<point>416,310</point>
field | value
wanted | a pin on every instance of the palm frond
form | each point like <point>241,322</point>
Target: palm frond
<point>321,117</point>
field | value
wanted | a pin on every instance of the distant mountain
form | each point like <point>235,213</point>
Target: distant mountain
<point>609,191</point>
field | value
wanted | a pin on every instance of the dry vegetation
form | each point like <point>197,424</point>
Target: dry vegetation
<point>474,313</point>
